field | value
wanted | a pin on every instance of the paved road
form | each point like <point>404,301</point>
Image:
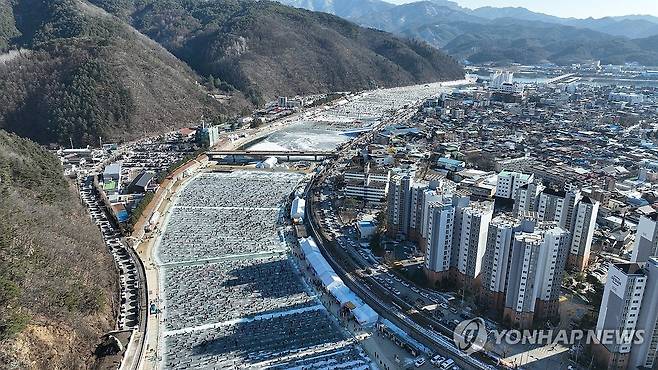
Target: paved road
<point>385,302</point>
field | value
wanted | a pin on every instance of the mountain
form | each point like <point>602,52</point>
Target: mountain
<point>537,42</point>
<point>521,13</point>
<point>417,14</point>
<point>627,27</point>
<point>348,9</point>
<point>516,34</point>
<point>649,18</point>
<point>266,49</point>
<point>53,308</point>
<point>82,73</point>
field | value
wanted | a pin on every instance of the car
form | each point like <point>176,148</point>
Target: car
<point>404,283</point>
<point>437,359</point>
<point>419,362</point>
<point>447,363</point>
<point>453,310</point>
<point>414,289</point>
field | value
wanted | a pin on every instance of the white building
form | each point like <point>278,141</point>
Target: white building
<point>644,355</point>
<point>398,212</point>
<point>527,198</point>
<point>495,268</point>
<point>536,270</point>
<point>473,239</point>
<point>500,78</point>
<point>367,185</point>
<point>646,239</point>
<point>460,201</point>
<point>509,183</point>
<point>620,310</point>
<point>503,82</point>
<point>440,221</point>
<point>630,98</point>
<point>558,206</point>
<point>582,233</point>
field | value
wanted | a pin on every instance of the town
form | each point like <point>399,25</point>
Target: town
<point>518,203</point>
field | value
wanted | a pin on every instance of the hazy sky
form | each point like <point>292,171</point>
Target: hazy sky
<point>568,8</point>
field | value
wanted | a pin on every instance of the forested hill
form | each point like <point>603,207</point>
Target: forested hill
<point>57,281</point>
<point>266,49</point>
<point>83,73</point>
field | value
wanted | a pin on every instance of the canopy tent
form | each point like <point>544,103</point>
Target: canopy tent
<point>329,277</point>
<point>318,263</point>
<point>365,315</point>
<point>342,293</point>
<point>308,246</point>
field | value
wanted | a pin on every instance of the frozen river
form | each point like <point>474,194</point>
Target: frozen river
<point>327,130</point>
<point>301,136</point>
<point>233,296</point>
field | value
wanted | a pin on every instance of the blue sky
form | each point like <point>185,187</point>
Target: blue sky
<point>569,8</point>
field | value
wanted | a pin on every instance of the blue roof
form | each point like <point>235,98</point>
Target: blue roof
<point>451,161</point>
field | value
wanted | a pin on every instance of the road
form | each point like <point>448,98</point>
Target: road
<point>380,299</point>
<point>374,291</point>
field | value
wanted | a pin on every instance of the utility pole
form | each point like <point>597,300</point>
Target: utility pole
<point>71,141</point>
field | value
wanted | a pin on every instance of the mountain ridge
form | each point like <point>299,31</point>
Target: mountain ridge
<point>302,51</point>
<point>53,308</point>
<point>489,34</point>
<point>85,74</point>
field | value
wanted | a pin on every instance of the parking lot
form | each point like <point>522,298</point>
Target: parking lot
<point>129,299</point>
<point>204,233</point>
<point>306,337</point>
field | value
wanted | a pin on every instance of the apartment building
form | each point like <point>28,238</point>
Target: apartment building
<point>440,223</point>
<point>582,234</point>
<point>473,242</point>
<point>536,270</point>
<point>620,311</point>
<point>509,183</point>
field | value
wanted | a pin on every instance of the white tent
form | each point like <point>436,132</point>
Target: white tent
<point>328,278</point>
<point>318,263</point>
<point>297,209</point>
<point>342,293</point>
<point>365,315</point>
<point>308,246</point>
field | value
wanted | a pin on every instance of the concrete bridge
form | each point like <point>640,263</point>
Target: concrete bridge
<point>264,154</point>
<point>562,78</point>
